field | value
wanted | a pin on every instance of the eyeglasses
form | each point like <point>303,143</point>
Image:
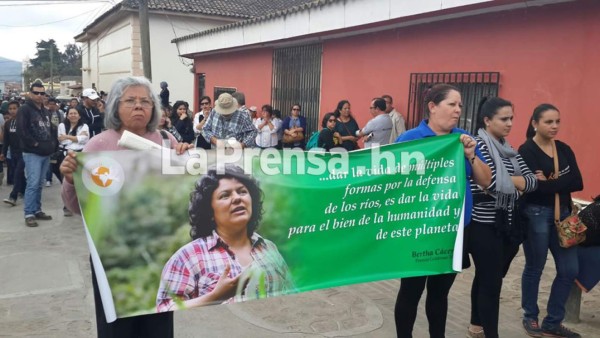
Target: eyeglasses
<point>298,109</point>
<point>205,103</point>
<point>38,93</point>
<point>130,103</point>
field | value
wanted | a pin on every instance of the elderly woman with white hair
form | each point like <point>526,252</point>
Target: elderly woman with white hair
<point>133,107</point>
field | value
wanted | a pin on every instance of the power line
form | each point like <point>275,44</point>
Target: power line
<point>49,23</point>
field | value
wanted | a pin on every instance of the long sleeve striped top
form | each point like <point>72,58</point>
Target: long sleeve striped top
<point>484,210</point>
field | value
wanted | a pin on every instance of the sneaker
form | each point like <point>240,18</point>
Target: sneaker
<point>67,212</point>
<point>43,216</point>
<point>10,201</point>
<point>560,332</point>
<point>532,327</point>
<point>30,222</point>
<point>48,183</point>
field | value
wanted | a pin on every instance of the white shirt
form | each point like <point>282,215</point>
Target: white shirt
<point>267,137</point>
<point>83,135</point>
<point>197,121</point>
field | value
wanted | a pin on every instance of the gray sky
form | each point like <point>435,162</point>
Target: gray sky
<point>23,23</point>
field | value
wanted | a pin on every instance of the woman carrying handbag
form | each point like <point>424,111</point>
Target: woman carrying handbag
<point>539,152</point>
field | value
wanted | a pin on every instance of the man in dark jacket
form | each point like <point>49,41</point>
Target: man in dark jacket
<point>89,113</point>
<point>38,141</point>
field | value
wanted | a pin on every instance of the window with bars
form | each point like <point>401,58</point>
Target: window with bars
<point>297,80</point>
<point>473,87</point>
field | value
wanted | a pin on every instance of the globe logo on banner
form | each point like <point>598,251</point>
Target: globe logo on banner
<point>103,176</point>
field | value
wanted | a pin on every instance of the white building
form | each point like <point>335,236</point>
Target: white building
<point>111,44</point>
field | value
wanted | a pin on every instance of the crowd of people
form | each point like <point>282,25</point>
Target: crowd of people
<point>508,203</point>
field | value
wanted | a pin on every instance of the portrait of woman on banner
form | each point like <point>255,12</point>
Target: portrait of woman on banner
<point>227,260</point>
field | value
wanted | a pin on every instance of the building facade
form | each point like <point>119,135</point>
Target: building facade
<point>528,52</point>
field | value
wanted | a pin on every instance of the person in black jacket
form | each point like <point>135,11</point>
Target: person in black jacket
<point>13,143</point>
<point>38,141</point>
<point>327,135</point>
<point>164,94</point>
<point>539,152</point>
<point>89,112</point>
<point>182,121</point>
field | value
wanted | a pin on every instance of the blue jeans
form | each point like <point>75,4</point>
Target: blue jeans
<point>541,236</point>
<point>36,167</point>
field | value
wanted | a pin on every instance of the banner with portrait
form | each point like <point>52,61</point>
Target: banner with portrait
<point>169,232</point>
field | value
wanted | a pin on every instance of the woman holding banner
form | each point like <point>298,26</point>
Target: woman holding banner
<point>495,232</point>
<point>443,106</point>
<point>131,106</point>
<point>227,261</point>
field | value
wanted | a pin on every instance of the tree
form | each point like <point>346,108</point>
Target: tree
<point>67,63</point>
<point>71,59</point>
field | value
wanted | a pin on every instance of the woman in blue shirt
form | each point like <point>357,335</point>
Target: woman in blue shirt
<point>443,106</point>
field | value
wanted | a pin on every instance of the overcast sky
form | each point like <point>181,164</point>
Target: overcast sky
<point>23,23</point>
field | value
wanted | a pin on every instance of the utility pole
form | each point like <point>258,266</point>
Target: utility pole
<point>51,51</point>
<point>145,39</point>
<point>51,71</point>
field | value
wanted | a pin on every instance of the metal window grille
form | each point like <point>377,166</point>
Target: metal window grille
<point>473,87</point>
<point>297,79</point>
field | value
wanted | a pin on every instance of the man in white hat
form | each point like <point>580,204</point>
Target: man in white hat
<point>89,113</point>
<point>229,125</point>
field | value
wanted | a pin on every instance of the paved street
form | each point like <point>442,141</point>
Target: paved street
<point>45,291</point>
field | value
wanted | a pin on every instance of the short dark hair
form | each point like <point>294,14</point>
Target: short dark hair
<point>200,209</point>
<point>488,107</point>
<point>536,116</point>
<point>378,102</point>
<point>53,99</point>
<point>386,96</point>
<point>36,84</point>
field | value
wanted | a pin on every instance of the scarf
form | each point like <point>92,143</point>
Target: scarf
<point>505,188</point>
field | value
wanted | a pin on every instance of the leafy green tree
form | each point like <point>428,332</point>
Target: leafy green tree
<point>63,64</point>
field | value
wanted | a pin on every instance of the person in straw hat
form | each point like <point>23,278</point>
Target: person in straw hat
<point>229,125</point>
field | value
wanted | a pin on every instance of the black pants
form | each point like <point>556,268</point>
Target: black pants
<point>492,255</point>
<point>158,325</point>
<point>19,181</point>
<point>436,304</point>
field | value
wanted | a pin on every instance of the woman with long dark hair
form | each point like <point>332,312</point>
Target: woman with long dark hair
<point>183,122</point>
<point>495,232</point>
<point>539,152</point>
<point>73,133</point>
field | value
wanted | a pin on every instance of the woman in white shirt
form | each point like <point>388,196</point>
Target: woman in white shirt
<point>73,133</point>
<point>267,128</point>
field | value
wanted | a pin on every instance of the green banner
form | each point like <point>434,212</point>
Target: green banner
<point>327,220</point>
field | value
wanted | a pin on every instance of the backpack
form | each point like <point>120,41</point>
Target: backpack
<point>313,140</point>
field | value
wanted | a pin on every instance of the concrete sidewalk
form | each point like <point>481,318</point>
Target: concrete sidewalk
<point>45,291</point>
